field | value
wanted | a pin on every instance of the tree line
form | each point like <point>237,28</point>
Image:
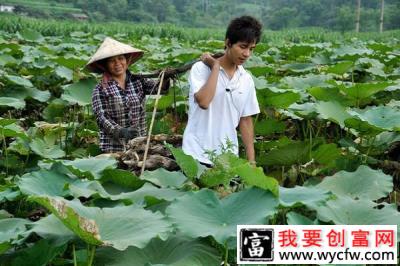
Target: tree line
<point>338,15</point>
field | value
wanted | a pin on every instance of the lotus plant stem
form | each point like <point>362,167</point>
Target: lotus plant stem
<point>60,134</point>
<point>74,254</point>
<point>226,253</point>
<point>91,251</point>
<point>369,148</point>
<point>5,151</point>
<point>311,139</point>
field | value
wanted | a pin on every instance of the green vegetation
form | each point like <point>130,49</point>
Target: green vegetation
<point>13,23</point>
<point>329,119</point>
<point>337,15</point>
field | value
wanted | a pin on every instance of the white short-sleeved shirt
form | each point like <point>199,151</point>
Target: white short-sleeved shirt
<point>209,129</point>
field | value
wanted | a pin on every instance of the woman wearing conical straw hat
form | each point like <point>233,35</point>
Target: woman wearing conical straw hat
<point>119,99</point>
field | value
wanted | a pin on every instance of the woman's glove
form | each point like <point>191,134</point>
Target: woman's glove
<point>126,133</point>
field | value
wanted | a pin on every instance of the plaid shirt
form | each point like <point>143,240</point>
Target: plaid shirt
<point>116,108</point>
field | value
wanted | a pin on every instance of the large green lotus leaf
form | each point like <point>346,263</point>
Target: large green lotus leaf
<point>186,162</point>
<point>122,178</point>
<point>364,90</point>
<point>20,146</point>
<point>24,92</point>
<point>164,178</point>
<point>380,47</point>
<point>8,194</point>
<point>175,251</point>
<point>293,153</point>
<point>347,50</point>
<point>345,210</point>
<point>185,55</point>
<point>51,228</point>
<point>4,215</point>
<point>92,188</point>
<point>55,110</point>
<point>386,139</point>
<point>268,97</point>
<point>10,230</point>
<point>5,122</point>
<point>373,66</point>
<point>340,68</point>
<point>119,227</point>
<point>329,95</point>
<point>149,190</point>
<point>164,102</point>
<point>333,111</point>
<point>326,154</point>
<point>382,117</point>
<point>362,127</point>
<point>12,130</point>
<point>254,176</point>
<point>294,218</point>
<point>12,102</point>
<point>308,81</point>
<point>299,67</point>
<point>297,111</point>
<point>201,214</point>
<point>71,62</point>
<point>19,81</point>
<point>79,93</point>
<point>260,82</point>
<point>364,183</point>
<point>298,50</point>
<point>261,70</point>
<point>64,73</point>
<point>44,182</point>
<point>308,196</point>
<point>30,35</point>
<point>321,58</point>
<point>6,59</point>
<point>40,253</point>
<point>269,126</point>
<point>41,96</point>
<point>90,168</point>
<point>45,149</point>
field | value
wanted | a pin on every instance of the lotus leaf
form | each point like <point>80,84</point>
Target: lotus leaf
<point>119,227</point>
<point>364,183</point>
<point>219,218</point>
<point>175,251</point>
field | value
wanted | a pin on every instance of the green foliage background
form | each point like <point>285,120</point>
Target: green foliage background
<point>337,15</point>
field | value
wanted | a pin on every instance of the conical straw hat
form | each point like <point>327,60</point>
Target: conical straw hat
<point>109,48</point>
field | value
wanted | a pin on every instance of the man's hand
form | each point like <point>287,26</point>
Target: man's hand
<point>207,59</point>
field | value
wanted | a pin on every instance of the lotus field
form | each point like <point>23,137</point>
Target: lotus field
<point>327,148</point>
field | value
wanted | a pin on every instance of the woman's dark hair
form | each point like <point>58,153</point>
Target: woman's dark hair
<point>244,29</point>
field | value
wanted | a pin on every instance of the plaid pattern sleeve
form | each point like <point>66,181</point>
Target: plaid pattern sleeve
<point>101,112</point>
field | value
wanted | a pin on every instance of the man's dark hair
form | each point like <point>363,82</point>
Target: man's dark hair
<point>244,29</point>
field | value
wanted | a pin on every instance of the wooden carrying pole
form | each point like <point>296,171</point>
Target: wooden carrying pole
<point>152,121</point>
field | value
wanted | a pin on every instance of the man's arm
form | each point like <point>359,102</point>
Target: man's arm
<point>206,93</point>
<point>247,132</point>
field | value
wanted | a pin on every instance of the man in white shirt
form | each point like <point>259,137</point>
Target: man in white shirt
<point>222,96</point>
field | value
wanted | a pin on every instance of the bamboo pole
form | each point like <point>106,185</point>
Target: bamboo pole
<point>381,20</point>
<point>358,11</point>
